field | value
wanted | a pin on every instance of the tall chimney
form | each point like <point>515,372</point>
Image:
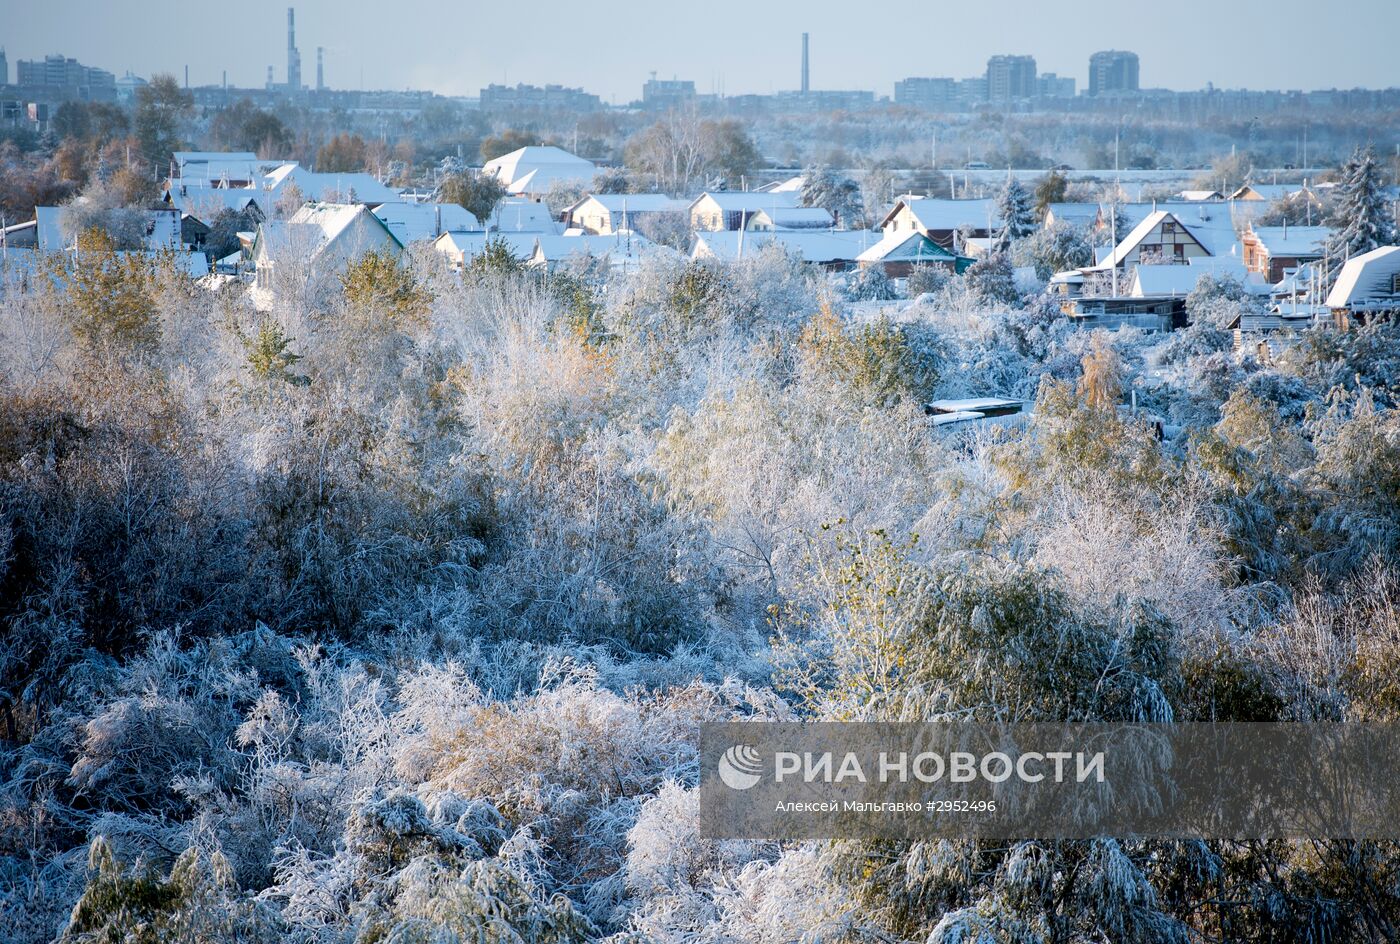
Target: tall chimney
<point>806,75</point>
<point>293,57</point>
<point>320,68</point>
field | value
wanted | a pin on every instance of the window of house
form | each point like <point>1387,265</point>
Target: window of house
<point>1395,284</point>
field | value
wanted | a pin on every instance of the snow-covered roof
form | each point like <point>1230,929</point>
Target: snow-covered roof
<point>331,218</point>
<point>204,157</point>
<point>633,203</point>
<point>1080,214</point>
<point>1175,280</point>
<point>618,249</point>
<point>204,203</point>
<point>1367,277</point>
<point>1138,233</point>
<point>536,168</point>
<point>979,404</point>
<point>318,225</point>
<point>905,246</point>
<point>794,218</point>
<point>1132,214</point>
<point>1268,192</point>
<point>1212,226</point>
<point>1208,224</point>
<point>1293,241</point>
<point>163,229</point>
<point>366,188</point>
<point>522,215</point>
<point>960,416</point>
<point>411,222</point>
<point>1198,196</point>
<point>207,168</point>
<point>464,246</point>
<point>748,201</point>
<point>791,185</point>
<point>1297,280</point>
<point>812,246</point>
<point>941,215</point>
<point>48,232</point>
<point>1153,281</point>
<point>193,264</point>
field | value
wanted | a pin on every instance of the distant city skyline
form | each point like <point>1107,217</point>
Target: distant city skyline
<point>610,47</point>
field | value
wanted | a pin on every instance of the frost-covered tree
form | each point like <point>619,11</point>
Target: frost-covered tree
<point>1220,301</point>
<point>869,284</point>
<point>1052,188</point>
<point>1017,215</point>
<point>841,196</point>
<point>1361,219</point>
<point>1052,249</point>
<point>991,282</point>
<point>876,194</point>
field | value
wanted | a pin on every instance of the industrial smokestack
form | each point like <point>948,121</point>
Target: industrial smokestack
<point>293,57</point>
<point>320,68</point>
<point>806,75</point>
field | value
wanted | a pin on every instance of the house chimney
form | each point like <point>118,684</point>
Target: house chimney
<point>806,75</point>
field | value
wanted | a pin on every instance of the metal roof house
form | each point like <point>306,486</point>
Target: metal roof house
<point>831,249</point>
<point>460,248</point>
<point>604,213</point>
<point>521,215</point>
<point>533,170</point>
<point>618,250</point>
<point>1272,250</point>
<point>1368,286</point>
<point>900,253</point>
<point>325,236</point>
<point>942,220</point>
<point>717,210</point>
<point>793,218</point>
<point>328,188</point>
<point>417,222</point>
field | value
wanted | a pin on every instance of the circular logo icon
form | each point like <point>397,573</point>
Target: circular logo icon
<point>739,767</point>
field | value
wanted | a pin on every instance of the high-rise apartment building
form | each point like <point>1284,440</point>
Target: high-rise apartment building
<point>1113,71</point>
<point>1010,78</point>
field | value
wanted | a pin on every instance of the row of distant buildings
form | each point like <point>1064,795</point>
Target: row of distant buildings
<point>1014,78</point>
<point>1147,257</point>
<point>69,76</point>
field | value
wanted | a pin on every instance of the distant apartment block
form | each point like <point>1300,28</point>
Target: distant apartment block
<point>1113,71</point>
<point>972,91</point>
<point>548,98</point>
<point>4,68</point>
<point>1051,85</point>
<point>665,94</point>
<point>1010,78</point>
<point>62,72</point>
<point>933,94</point>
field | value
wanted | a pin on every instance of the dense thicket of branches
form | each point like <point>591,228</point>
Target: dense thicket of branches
<point>388,614</point>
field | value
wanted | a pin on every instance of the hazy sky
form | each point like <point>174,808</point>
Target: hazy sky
<point>610,46</point>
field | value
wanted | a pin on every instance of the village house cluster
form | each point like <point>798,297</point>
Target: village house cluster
<point>1149,256</point>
